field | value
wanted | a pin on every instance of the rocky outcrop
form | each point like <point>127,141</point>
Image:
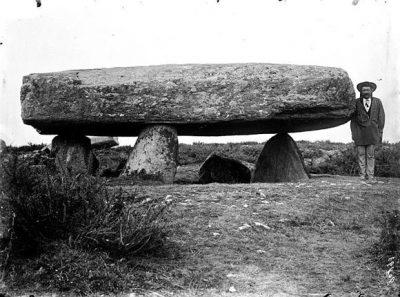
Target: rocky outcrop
<point>220,99</point>
<point>155,155</point>
<point>223,170</point>
<point>280,161</point>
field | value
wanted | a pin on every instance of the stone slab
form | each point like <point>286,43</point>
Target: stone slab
<point>280,161</point>
<point>199,100</point>
<point>155,155</point>
<point>99,142</point>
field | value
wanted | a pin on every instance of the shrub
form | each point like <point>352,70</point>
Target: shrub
<point>388,160</point>
<point>80,216</point>
<point>389,242</point>
<point>26,148</point>
<point>46,207</point>
<point>124,226</point>
<point>387,250</point>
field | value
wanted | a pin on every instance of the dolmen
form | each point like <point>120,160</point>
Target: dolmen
<point>158,103</point>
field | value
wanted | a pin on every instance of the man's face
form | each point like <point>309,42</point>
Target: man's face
<point>366,92</point>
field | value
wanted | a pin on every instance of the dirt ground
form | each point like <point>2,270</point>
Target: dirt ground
<point>312,238</point>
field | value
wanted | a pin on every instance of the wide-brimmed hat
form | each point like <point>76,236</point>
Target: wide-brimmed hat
<point>366,84</point>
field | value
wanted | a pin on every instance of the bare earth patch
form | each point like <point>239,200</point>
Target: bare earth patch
<point>286,239</point>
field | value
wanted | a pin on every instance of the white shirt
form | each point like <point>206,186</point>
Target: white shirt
<point>367,103</point>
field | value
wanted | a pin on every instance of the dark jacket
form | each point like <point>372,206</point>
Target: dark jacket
<point>367,128</point>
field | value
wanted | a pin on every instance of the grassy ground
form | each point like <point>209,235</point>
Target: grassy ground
<point>285,239</point>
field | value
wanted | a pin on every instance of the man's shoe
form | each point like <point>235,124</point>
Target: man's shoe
<point>372,180</point>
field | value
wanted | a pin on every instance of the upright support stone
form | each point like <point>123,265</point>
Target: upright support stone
<point>73,154</point>
<point>2,145</point>
<point>280,161</point>
<point>154,155</point>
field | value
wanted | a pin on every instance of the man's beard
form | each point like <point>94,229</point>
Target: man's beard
<point>366,96</point>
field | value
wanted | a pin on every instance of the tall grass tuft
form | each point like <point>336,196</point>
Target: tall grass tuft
<point>388,247</point>
<point>79,215</point>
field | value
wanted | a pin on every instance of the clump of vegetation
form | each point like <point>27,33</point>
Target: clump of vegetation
<point>388,246</point>
<point>388,160</point>
<point>341,161</point>
<point>74,219</point>
<point>62,267</point>
<point>30,147</point>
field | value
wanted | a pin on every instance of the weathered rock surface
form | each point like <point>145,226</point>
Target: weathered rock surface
<point>155,155</point>
<point>2,145</point>
<point>223,170</point>
<point>219,99</point>
<point>73,154</point>
<point>111,162</point>
<point>103,142</point>
<point>280,161</point>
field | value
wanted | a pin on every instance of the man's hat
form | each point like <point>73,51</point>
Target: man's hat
<point>366,84</point>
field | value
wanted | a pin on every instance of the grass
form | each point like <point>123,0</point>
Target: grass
<point>322,238</point>
<point>70,233</point>
<point>327,235</point>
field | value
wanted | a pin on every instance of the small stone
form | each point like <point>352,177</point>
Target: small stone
<point>232,289</point>
<point>216,234</point>
<point>244,227</point>
<point>330,223</point>
<point>262,225</point>
<point>262,194</point>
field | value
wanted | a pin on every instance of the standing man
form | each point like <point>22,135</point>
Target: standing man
<point>367,128</point>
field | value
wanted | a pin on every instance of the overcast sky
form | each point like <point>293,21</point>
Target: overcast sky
<point>363,39</point>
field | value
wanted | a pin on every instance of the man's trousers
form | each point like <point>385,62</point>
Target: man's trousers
<point>366,160</point>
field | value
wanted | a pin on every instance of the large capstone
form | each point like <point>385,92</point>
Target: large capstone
<point>223,170</point>
<point>155,155</point>
<point>280,161</point>
<point>202,100</point>
<point>73,154</point>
